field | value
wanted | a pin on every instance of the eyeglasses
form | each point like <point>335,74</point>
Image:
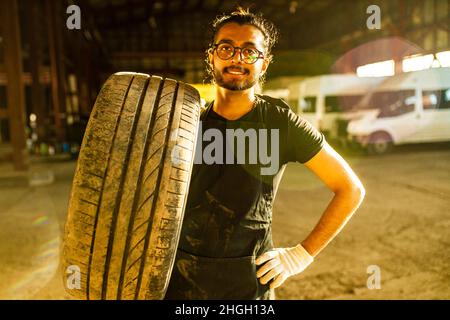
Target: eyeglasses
<point>226,51</point>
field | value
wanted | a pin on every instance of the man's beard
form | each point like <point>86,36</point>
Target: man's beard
<point>234,84</point>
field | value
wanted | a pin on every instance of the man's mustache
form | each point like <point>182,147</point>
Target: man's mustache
<point>236,68</point>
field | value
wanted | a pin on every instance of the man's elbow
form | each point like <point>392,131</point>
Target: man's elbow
<point>358,193</point>
<point>361,192</point>
<point>354,192</point>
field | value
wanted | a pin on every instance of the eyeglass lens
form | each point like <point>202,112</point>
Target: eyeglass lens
<point>227,51</point>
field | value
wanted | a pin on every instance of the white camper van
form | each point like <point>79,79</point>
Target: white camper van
<point>411,107</point>
<point>322,99</point>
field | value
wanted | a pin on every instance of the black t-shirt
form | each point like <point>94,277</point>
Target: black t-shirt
<point>299,140</point>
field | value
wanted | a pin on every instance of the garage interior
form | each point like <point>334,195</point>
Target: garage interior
<point>50,76</point>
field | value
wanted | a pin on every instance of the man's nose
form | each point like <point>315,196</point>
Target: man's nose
<point>237,56</point>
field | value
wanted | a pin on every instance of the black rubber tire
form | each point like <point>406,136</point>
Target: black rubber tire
<point>130,187</point>
<point>380,142</point>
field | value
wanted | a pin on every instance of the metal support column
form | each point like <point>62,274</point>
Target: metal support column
<point>56,67</point>
<point>37,89</point>
<point>9,17</point>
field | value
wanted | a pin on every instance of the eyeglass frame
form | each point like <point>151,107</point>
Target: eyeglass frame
<point>260,56</point>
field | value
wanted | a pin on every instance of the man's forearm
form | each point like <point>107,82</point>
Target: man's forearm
<point>281,263</point>
<point>336,215</point>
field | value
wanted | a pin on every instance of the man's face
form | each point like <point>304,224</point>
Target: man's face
<point>234,74</point>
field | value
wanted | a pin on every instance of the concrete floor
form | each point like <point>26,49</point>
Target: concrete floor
<point>402,227</point>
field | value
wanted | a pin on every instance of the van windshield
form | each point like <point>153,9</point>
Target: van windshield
<point>341,103</point>
<point>308,104</point>
<point>390,103</point>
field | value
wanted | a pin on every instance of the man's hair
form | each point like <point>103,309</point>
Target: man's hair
<point>243,16</point>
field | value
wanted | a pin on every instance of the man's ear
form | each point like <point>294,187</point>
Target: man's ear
<point>210,56</point>
<point>265,65</point>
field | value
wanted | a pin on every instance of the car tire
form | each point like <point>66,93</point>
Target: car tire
<point>380,143</point>
<point>130,188</point>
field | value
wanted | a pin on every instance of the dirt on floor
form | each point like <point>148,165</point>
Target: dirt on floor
<point>402,230</point>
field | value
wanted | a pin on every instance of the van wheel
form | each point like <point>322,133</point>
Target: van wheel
<point>130,188</point>
<point>379,143</point>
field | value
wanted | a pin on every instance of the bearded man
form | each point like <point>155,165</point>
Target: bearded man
<point>225,249</point>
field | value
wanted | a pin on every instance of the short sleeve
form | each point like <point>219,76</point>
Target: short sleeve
<point>303,141</point>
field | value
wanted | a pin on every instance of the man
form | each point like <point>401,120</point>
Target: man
<point>225,249</point>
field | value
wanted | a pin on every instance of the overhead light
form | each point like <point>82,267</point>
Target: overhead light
<point>444,58</point>
<point>377,69</point>
<point>416,63</point>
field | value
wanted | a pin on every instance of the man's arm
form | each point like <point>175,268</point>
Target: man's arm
<point>333,170</point>
<point>349,192</point>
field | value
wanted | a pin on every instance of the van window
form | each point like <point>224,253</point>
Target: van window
<point>308,104</point>
<point>445,99</point>
<point>436,99</point>
<point>341,103</point>
<point>393,103</point>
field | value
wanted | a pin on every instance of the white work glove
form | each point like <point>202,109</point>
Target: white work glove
<point>281,264</point>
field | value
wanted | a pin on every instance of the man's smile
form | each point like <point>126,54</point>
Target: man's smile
<point>236,70</point>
